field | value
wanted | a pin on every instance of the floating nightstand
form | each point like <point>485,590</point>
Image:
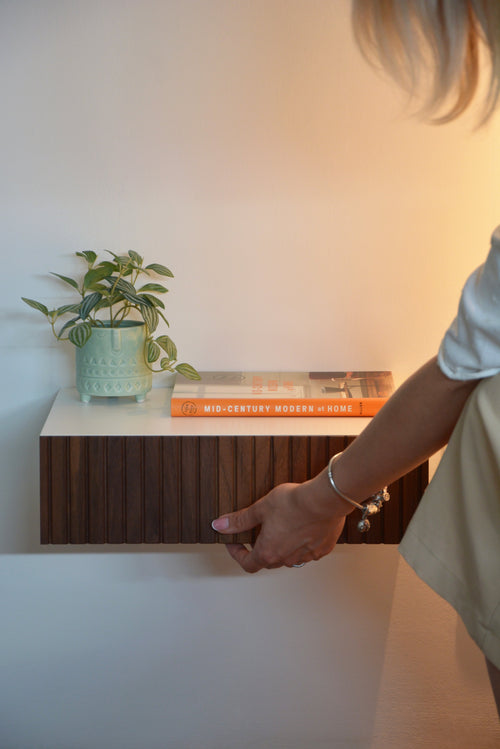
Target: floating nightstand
<point>121,472</point>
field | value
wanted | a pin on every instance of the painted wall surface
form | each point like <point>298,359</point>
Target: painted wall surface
<point>310,224</point>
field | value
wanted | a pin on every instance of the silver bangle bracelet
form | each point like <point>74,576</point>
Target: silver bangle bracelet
<point>372,506</point>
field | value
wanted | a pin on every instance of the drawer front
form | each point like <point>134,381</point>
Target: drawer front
<point>152,490</point>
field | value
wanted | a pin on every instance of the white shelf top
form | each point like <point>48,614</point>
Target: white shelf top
<point>69,417</point>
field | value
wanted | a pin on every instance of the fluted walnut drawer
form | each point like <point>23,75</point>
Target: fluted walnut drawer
<point>151,488</point>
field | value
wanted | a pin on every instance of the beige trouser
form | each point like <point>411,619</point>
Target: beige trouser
<point>453,540</point>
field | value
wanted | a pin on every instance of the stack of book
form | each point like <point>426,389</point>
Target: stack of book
<point>282,394</point>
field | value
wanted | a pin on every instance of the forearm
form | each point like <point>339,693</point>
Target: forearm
<point>302,522</point>
<point>416,422</point>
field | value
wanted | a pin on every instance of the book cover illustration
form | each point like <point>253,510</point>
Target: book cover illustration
<point>283,394</point>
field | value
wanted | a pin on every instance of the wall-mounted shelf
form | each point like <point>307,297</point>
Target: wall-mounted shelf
<point>116,471</point>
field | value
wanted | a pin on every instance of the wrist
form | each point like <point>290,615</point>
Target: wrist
<point>369,508</point>
<point>320,497</point>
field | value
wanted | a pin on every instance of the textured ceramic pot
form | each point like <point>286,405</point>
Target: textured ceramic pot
<point>111,363</point>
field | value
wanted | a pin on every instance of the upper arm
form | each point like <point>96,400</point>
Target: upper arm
<point>471,346</point>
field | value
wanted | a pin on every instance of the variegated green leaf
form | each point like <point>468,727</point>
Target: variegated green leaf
<point>68,324</point>
<point>153,352</point>
<point>87,255</point>
<point>136,300</point>
<point>122,285</point>
<point>187,371</point>
<point>66,279</point>
<point>103,304</point>
<point>80,334</point>
<point>67,308</point>
<point>153,300</point>
<point>95,275</point>
<point>89,303</point>
<point>136,257</point>
<point>36,305</point>
<point>151,318</point>
<point>163,318</point>
<point>156,287</point>
<point>168,346</point>
<point>122,259</point>
<point>166,364</point>
<point>146,300</point>
<point>162,270</point>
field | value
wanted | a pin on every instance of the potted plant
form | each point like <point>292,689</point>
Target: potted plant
<point>113,324</point>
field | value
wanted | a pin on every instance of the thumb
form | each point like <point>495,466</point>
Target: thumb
<point>236,522</point>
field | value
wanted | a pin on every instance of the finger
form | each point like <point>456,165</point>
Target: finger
<point>236,522</point>
<point>240,554</point>
<point>305,554</point>
<point>298,559</point>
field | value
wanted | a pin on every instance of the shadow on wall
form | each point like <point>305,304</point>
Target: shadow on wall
<point>19,505</point>
<point>20,492</point>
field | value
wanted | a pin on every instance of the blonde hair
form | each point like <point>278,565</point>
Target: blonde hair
<point>446,38</point>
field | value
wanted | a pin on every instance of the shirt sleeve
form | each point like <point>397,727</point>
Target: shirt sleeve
<point>470,348</point>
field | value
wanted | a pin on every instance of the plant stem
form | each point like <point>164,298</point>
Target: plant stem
<point>56,335</point>
<point>113,288</point>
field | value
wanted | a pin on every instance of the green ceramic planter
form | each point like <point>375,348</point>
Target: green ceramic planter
<point>111,363</point>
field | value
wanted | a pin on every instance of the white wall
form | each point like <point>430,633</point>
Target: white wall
<point>309,224</point>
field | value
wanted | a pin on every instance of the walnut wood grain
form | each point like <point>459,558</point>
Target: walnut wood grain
<point>137,490</point>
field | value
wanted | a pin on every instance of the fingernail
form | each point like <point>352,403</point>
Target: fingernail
<point>220,524</point>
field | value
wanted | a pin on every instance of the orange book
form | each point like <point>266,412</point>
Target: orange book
<point>283,394</point>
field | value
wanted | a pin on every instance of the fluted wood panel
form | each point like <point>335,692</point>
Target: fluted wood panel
<point>151,490</point>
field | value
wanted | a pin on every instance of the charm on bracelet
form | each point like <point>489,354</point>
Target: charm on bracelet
<point>372,506</point>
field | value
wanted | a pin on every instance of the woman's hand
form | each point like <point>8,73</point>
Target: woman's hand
<point>297,523</point>
<point>302,522</point>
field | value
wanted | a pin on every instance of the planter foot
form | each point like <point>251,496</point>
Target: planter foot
<point>140,398</point>
<point>85,398</point>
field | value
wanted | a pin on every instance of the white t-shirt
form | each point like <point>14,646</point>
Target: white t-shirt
<point>470,348</point>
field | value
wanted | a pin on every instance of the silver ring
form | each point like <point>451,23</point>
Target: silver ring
<point>298,565</point>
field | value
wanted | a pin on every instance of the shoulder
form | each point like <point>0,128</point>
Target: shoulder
<point>471,346</point>
<point>484,284</point>
<point>494,253</point>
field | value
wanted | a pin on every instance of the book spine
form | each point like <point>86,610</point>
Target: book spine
<point>276,407</point>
